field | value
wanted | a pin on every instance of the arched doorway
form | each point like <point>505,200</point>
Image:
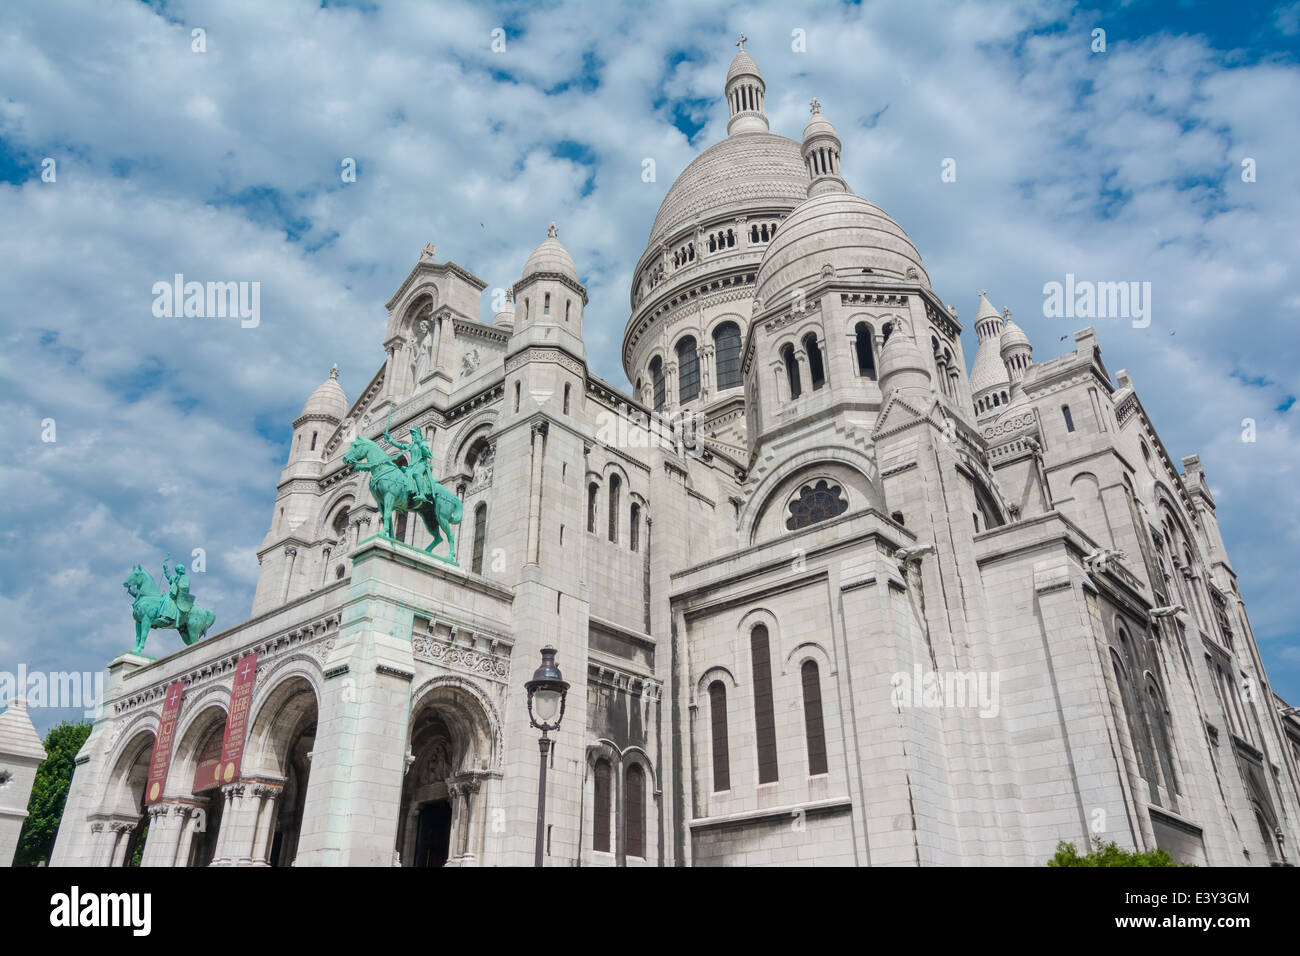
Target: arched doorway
<point>277,764</point>
<point>451,760</point>
<point>122,821</point>
<point>193,807</point>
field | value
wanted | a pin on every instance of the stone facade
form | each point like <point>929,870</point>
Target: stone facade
<point>822,597</point>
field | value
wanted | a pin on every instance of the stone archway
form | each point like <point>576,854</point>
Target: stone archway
<point>451,759</point>
<point>185,825</point>
<point>276,768</point>
<point>120,823</point>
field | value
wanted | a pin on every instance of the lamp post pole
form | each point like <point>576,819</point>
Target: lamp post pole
<point>545,746</point>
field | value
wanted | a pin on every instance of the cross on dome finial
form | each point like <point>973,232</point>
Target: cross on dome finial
<point>334,372</point>
<point>983,292</point>
<point>815,105</point>
<point>740,41</point>
<point>550,232</point>
<point>1006,313</point>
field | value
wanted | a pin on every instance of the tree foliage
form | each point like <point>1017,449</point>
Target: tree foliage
<point>50,793</point>
<point>1109,854</point>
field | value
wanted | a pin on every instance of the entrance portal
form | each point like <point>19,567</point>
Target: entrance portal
<point>433,841</point>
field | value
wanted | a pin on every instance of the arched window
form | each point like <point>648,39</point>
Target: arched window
<point>614,486</point>
<point>753,234</point>
<point>1069,419</point>
<point>816,371</point>
<point>688,370</point>
<point>566,399</point>
<point>340,524</point>
<point>721,752</point>
<point>480,537</point>
<point>634,811</point>
<point>726,347</point>
<point>886,331</point>
<point>1159,728</point>
<point>657,376</point>
<point>516,396</point>
<point>764,713</point>
<point>313,441</point>
<point>603,802</point>
<point>791,370</point>
<point>731,238</point>
<point>862,343</point>
<point>816,502</point>
<point>568,304</point>
<point>593,490</point>
<point>988,508</point>
<point>339,572</point>
<point>812,718</point>
<point>546,304</point>
<point>634,527</point>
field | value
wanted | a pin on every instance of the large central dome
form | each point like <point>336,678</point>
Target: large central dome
<point>744,170</point>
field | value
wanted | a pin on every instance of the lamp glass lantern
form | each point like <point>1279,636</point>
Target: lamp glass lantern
<point>547,693</point>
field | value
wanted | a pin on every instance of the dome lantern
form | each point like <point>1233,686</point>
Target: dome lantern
<point>821,154</point>
<point>745,92</point>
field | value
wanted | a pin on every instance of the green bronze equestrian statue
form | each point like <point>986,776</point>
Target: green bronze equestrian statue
<point>409,489</point>
<point>175,609</point>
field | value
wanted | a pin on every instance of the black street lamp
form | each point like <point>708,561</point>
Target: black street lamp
<point>547,692</point>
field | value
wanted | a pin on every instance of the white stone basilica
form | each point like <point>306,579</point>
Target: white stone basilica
<point>822,597</point>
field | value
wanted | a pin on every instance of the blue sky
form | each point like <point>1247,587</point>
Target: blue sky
<point>225,165</point>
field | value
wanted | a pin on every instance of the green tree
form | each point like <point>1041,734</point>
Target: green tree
<point>1109,854</point>
<point>50,792</point>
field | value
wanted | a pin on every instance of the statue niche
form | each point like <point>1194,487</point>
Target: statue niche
<point>420,331</point>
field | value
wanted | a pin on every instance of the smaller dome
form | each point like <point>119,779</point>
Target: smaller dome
<point>743,65</point>
<point>840,230</point>
<point>328,399</point>
<point>551,256</point>
<point>986,310</point>
<point>819,125</point>
<point>1012,336</point>
<point>506,317</point>
<point>902,364</point>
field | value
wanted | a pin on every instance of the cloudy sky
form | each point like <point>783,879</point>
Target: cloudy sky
<point>225,164</point>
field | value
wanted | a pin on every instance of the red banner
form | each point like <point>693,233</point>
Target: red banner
<point>208,772</point>
<point>241,695</point>
<point>162,743</point>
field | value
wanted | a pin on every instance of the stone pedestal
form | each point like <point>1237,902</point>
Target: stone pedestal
<point>354,793</point>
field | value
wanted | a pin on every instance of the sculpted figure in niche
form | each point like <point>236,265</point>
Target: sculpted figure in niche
<point>438,768</point>
<point>422,359</point>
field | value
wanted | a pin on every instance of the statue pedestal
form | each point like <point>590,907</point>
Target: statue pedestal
<point>397,548</point>
<point>129,661</point>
